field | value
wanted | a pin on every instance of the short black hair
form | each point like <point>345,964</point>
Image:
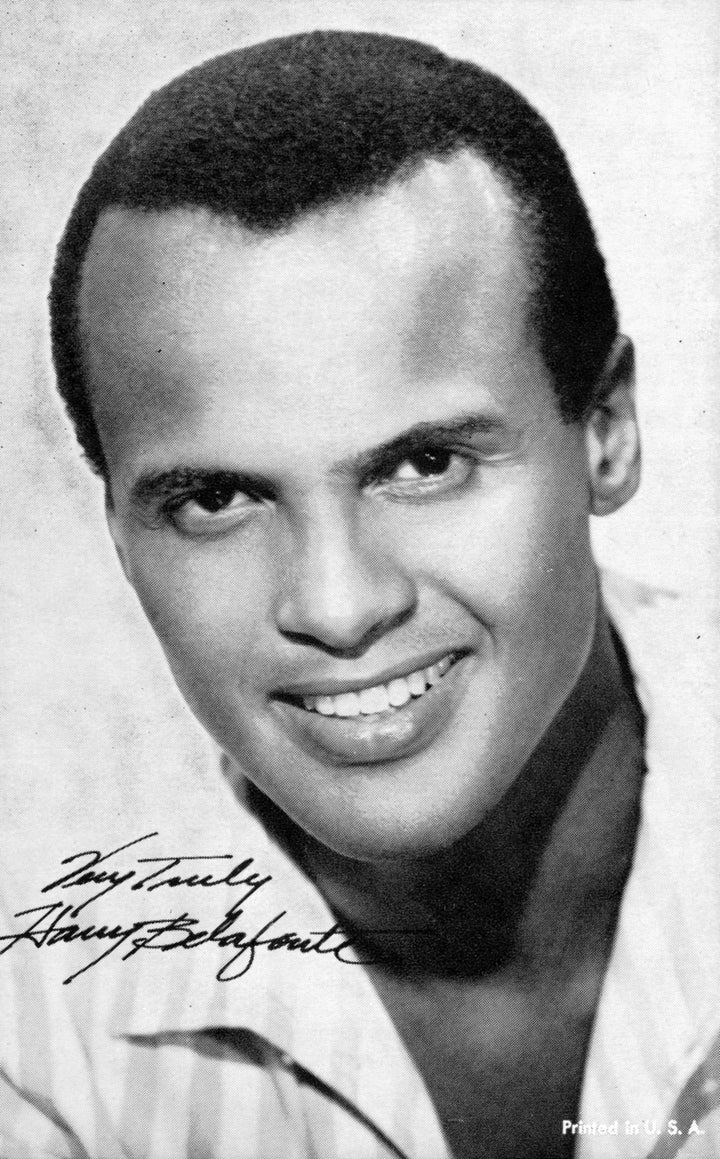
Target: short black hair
<point>268,133</point>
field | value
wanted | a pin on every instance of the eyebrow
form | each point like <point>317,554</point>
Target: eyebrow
<point>154,487</point>
<point>420,436</point>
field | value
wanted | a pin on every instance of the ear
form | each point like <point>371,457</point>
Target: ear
<point>114,529</point>
<point>612,439</point>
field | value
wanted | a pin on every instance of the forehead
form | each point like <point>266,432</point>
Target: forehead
<point>420,283</point>
<point>445,233</point>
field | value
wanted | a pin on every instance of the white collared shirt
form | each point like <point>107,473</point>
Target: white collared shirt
<point>153,1058</point>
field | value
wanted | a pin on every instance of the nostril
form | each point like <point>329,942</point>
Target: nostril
<point>345,644</point>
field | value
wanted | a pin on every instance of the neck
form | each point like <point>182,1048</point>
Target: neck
<point>535,887</point>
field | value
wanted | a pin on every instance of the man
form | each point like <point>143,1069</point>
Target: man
<point>332,326</point>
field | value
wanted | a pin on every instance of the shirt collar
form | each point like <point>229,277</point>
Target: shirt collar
<point>659,1009</point>
<point>316,1011</point>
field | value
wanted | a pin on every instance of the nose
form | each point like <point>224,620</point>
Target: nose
<point>341,590</point>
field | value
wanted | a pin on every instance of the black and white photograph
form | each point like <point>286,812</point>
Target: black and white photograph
<point>360,543</point>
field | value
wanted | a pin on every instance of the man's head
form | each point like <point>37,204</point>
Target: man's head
<point>338,476</point>
<point>265,135</point>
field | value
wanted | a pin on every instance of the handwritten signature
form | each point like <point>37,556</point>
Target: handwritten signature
<point>56,923</point>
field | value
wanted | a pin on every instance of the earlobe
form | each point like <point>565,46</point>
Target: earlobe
<point>612,439</point>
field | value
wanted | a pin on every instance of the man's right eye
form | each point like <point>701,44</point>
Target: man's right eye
<point>213,510</point>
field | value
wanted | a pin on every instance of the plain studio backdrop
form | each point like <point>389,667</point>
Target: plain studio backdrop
<point>96,734</point>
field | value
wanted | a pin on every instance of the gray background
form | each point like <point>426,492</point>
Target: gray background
<point>95,733</point>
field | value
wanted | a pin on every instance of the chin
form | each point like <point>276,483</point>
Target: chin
<point>383,825</point>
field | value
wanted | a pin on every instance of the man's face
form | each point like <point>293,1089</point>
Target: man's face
<point>343,492</point>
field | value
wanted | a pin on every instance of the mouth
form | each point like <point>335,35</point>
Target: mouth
<point>379,722</point>
<point>379,698</point>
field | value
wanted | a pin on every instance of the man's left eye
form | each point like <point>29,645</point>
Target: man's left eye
<point>426,472</point>
<point>425,464</point>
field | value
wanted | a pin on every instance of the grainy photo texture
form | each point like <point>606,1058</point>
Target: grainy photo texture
<point>359,790</point>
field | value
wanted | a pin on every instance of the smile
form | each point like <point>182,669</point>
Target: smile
<point>374,723</point>
<point>380,697</point>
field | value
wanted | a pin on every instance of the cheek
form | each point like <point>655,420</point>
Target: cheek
<point>511,554</point>
<point>206,606</point>
<point>553,589</point>
<point>549,614</point>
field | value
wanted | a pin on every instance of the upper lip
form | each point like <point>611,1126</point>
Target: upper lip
<point>331,686</point>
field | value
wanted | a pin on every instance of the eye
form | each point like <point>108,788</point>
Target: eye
<point>424,464</point>
<point>427,472</point>
<point>211,510</point>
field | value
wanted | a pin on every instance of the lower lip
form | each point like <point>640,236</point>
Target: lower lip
<point>383,736</point>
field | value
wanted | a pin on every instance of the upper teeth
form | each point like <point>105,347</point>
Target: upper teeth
<point>381,697</point>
